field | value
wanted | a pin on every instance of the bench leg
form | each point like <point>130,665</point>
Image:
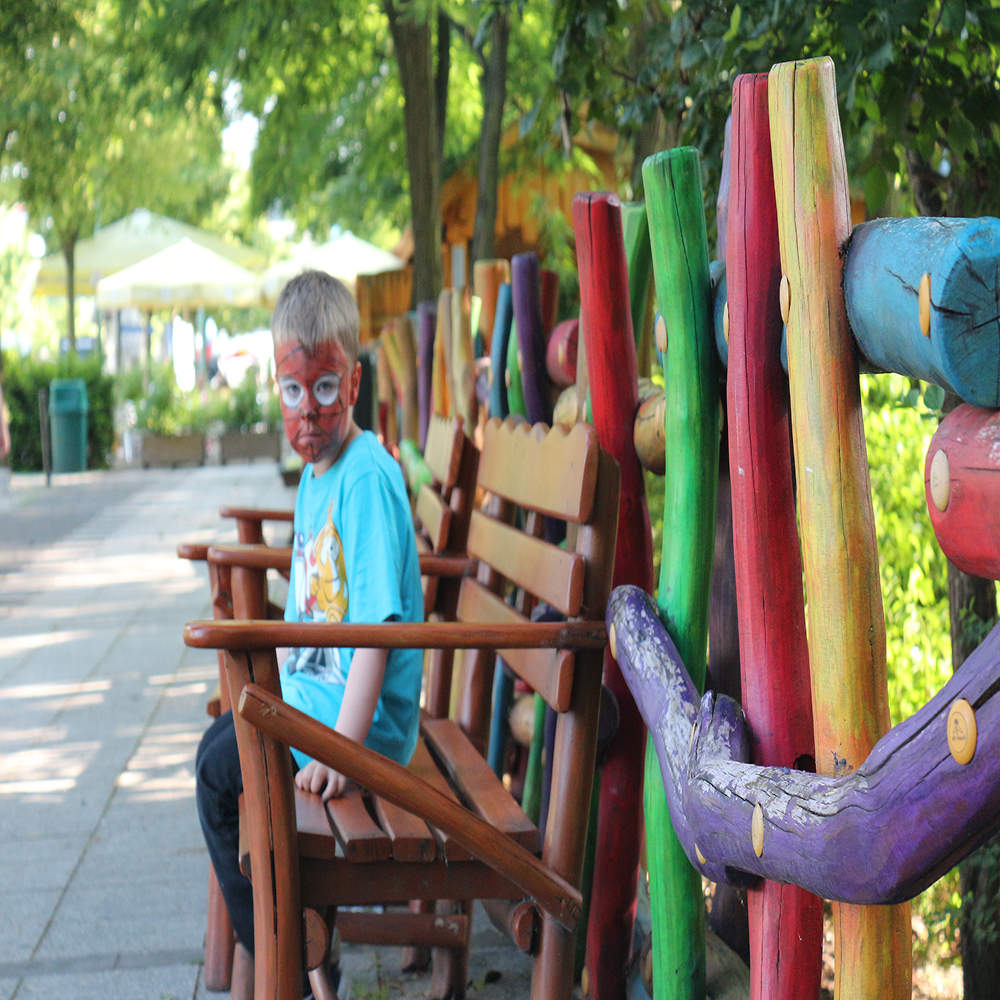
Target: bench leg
<point>451,965</point>
<point>219,939</point>
<point>418,959</point>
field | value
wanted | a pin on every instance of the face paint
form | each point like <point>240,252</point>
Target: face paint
<point>315,400</point>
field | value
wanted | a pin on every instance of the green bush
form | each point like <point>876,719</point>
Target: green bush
<point>23,377</point>
<point>160,407</point>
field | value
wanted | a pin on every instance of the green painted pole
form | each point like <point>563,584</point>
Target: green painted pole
<point>679,243</point>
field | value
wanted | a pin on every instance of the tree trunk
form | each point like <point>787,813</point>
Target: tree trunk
<point>494,89</point>
<point>973,603</point>
<point>441,80</point>
<point>411,36</point>
<point>69,253</point>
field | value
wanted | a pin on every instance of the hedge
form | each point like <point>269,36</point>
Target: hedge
<point>22,377</point>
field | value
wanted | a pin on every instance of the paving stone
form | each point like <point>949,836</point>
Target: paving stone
<point>171,982</point>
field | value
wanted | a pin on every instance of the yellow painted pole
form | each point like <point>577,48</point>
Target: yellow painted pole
<point>837,526</point>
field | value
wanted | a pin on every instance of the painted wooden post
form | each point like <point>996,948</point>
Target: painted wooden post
<point>961,481</point>
<point>548,295</point>
<point>426,328</point>
<point>679,241</point>
<point>560,353</point>
<point>635,224</point>
<point>786,922</point>
<point>441,394</point>
<point>837,527</point>
<point>512,374</point>
<point>487,277</point>
<point>462,370</point>
<point>610,349</point>
<point>498,352</point>
<point>531,337</point>
<point>401,353</point>
<point>922,300</point>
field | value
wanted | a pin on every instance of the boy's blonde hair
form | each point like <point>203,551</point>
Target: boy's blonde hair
<point>314,308</point>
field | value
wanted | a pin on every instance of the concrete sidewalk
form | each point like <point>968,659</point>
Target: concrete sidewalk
<point>103,869</point>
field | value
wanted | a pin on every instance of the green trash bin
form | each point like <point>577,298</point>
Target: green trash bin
<point>68,424</point>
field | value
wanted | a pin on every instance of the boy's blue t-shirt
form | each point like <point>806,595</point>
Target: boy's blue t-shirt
<point>354,559</point>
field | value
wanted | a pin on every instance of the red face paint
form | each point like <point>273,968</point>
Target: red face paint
<point>316,397</point>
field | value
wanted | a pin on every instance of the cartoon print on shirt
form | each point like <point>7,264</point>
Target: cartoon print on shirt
<point>320,594</point>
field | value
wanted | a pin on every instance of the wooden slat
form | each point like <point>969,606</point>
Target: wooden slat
<point>420,930</point>
<point>410,836</point>
<point>422,765</point>
<point>552,574</point>
<point>357,832</point>
<point>554,894</point>
<point>555,477</point>
<point>443,451</point>
<point>325,882</point>
<point>435,515</point>
<point>548,671</point>
<point>316,837</point>
<point>477,784</point>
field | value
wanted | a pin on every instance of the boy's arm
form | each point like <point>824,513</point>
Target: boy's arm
<point>364,683</point>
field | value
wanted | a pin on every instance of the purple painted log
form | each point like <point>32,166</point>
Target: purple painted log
<point>877,836</point>
<point>426,327</point>
<point>531,339</point>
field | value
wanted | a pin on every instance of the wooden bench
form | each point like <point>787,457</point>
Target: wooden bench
<point>443,511</point>
<point>425,843</point>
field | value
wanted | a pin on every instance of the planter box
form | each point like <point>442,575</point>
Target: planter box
<point>167,451</point>
<point>238,447</point>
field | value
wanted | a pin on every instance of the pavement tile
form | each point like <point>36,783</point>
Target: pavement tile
<point>25,918</point>
<point>172,982</point>
<point>7,987</point>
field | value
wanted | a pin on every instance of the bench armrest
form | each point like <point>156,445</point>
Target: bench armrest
<point>279,557</point>
<point>257,514</point>
<point>249,635</point>
<point>394,783</point>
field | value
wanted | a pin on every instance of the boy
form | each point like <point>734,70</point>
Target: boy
<point>354,558</point>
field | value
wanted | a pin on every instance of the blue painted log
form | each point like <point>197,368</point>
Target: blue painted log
<point>498,352</point>
<point>877,836</point>
<point>953,339</point>
<point>426,328</point>
<point>531,337</point>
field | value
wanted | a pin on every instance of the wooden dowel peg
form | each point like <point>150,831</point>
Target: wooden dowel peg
<point>924,298</point>
<point>757,831</point>
<point>940,480</point>
<point>962,732</point>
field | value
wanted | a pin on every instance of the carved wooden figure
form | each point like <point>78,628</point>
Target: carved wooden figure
<point>513,374</point>
<point>607,325</point>
<point>786,923</point>
<point>837,528</point>
<point>680,266</point>
<point>925,797</point>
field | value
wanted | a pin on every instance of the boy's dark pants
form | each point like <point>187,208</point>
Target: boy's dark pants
<point>219,785</point>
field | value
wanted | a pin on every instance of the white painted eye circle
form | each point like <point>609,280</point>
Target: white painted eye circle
<point>292,392</point>
<point>326,388</point>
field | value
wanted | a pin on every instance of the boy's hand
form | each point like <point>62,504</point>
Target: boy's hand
<point>321,780</point>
